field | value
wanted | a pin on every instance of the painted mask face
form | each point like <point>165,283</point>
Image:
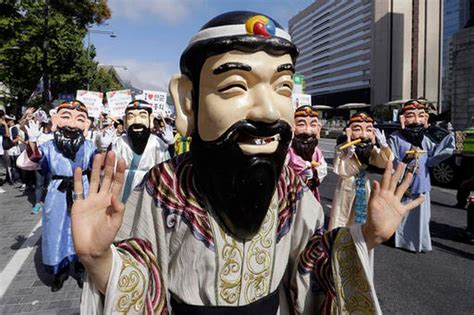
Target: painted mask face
<point>71,118</point>
<point>308,125</point>
<point>138,128</point>
<point>239,86</point>
<point>70,127</point>
<point>307,133</point>
<point>362,130</point>
<point>137,117</point>
<point>244,129</point>
<point>414,129</point>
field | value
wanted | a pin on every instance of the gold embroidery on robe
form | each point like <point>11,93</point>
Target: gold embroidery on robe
<point>353,289</point>
<point>131,286</point>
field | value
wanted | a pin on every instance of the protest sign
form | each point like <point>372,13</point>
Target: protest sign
<point>300,100</point>
<point>118,101</point>
<point>92,100</point>
<point>155,98</point>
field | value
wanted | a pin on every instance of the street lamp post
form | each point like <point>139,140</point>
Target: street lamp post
<point>46,92</point>
<point>103,32</point>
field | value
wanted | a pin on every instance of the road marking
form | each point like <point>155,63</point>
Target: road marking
<point>15,263</point>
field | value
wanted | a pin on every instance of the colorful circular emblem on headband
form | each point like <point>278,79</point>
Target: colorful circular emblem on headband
<point>260,25</point>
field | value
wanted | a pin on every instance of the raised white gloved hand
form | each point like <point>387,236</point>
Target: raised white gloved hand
<point>167,134</point>
<point>308,173</point>
<point>107,137</point>
<point>350,151</point>
<point>33,130</point>
<point>381,139</point>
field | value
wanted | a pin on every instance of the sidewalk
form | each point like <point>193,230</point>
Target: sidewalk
<point>25,286</point>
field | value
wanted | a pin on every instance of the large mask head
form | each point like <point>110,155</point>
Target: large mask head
<point>361,125</point>
<point>138,120</point>
<point>307,132</point>
<point>234,98</point>
<point>70,124</point>
<point>414,120</point>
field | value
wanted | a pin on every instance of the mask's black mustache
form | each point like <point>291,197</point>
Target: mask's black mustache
<point>251,129</point>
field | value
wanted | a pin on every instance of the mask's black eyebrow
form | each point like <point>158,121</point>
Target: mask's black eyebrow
<point>286,67</point>
<point>231,66</point>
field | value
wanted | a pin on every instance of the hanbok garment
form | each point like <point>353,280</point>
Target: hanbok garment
<point>57,245</point>
<point>299,165</point>
<point>413,233</point>
<point>156,151</point>
<point>175,258</point>
<point>353,181</point>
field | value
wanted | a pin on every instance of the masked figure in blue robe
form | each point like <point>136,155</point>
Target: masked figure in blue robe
<point>60,157</point>
<point>415,146</point>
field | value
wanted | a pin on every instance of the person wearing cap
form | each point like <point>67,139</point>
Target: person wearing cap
<point>305,156</point>
<point>412,146</point>
<point>227,228</point>
<point>59,157</point>
<point>138,147</point>
<point>364,145</point>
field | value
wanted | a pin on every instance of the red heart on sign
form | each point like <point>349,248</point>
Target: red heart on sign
<point>150,96</point>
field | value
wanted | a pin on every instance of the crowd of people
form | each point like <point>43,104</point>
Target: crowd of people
<point>154,219</point>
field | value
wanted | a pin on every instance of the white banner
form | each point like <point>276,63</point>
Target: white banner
<point>301,100</point>
<point>118,101</point>
<point>92,100</point>
<point>155,98</point>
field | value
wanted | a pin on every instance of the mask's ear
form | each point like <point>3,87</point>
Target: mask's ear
<point>54,121</point>
<point>88,125</point>
<point>181,90</point>
<point>152,121</point>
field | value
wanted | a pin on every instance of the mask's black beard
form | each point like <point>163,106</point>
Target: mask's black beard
<point>363,151</point>
<point>235,187</point>
<point>414,134</point>
<point>69,140</point>
<point>304,145</point>
<point>138,139</point>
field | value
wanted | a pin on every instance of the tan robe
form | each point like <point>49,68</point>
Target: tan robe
<point>343,211</point>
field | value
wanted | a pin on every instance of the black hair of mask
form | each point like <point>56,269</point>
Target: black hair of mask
<point>196,54</point>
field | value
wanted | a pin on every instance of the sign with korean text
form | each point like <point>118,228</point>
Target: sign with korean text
<point>92,100</point>
<point>156,98</point>
<point>118,101</point>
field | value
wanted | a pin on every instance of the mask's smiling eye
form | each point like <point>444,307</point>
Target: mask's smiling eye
<point>234,87</point>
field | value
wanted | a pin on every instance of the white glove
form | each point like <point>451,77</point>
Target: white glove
<point>167,134</point>
<point>350,151</point>
<point>381,139</point>
<point>308,173</point>
<point>107,137</point>
<point>33,130</point>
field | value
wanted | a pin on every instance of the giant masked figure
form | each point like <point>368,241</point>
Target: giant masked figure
<point>414,145</point>
<point>59,157</point>
<point>305,156</point>
<point>140,149</point>
<point>226,228</point>
<point>364,146</point>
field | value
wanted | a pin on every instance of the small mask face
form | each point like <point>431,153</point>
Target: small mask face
<point>307,125</point>
<point>415,116</point>
<point>70,118</point>
<point>253,86</point>
<point>362,130</point>
<point>139,117</point>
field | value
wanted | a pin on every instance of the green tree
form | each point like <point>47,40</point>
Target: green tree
<point>105,80</point>
<point>70,65</point>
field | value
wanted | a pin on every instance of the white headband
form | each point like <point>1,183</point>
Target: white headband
<point>230,30</point>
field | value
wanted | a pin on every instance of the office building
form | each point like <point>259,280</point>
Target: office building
<point>369,51</point>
